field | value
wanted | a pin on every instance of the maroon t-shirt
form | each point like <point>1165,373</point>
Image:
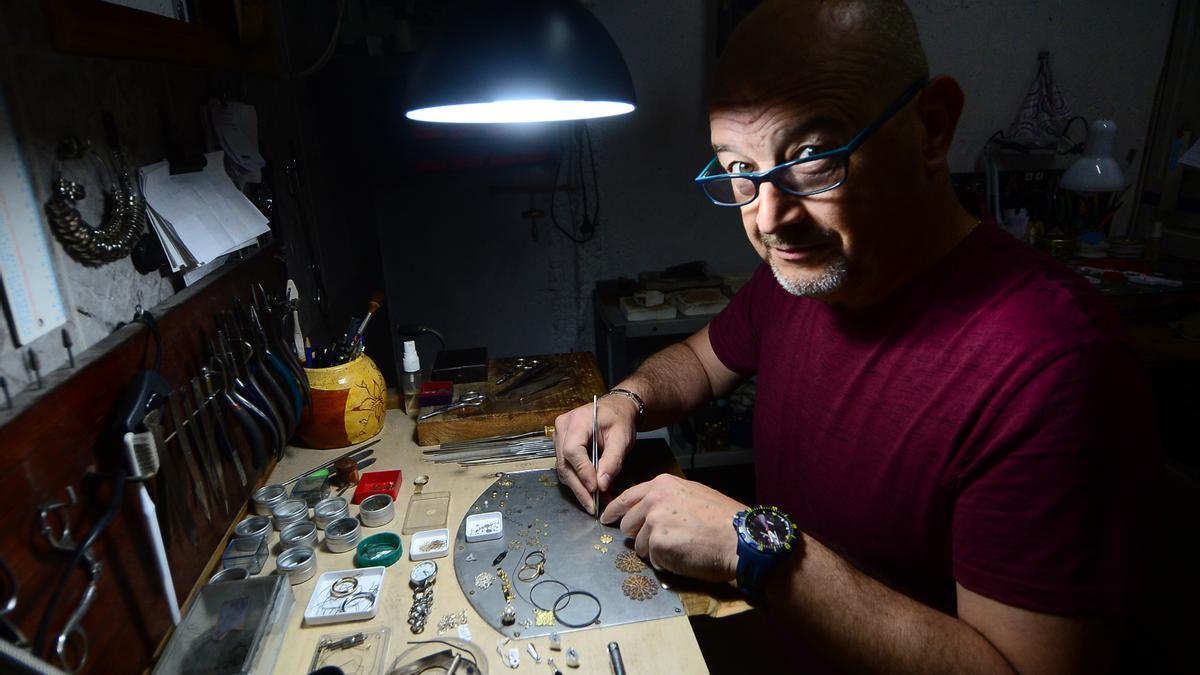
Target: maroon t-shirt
<point>988,423</point>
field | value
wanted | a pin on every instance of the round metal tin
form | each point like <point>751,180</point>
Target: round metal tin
<point>303,533</point>
<point>289,511</point>
<point>253,526</point>
<point>328,510</point>
<point>267,497</point>
<point>342,535</point>
<point>299,564</point>
<point>377,510</point>
<point>230,574</point>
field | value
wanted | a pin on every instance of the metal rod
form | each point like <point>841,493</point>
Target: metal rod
<point>614,655</point>
<point>331,462</point>
<point>596,454</point>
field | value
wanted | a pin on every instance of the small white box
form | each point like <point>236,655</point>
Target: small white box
<point>436,541</point>
<point>358,603</point>
<point>484,526</point>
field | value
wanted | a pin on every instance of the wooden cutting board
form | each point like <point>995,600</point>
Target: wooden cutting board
<point>507,415</point>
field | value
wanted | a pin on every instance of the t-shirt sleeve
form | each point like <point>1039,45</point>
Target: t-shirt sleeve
<point>732,333</point>
<point>1051,512</point>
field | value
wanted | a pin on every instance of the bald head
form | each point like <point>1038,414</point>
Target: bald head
<point>873,42</point>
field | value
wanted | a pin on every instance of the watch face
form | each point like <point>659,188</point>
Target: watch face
<point>423,571</point>
<point>768,528</point>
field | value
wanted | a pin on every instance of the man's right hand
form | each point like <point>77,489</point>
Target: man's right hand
<point>617,416</point>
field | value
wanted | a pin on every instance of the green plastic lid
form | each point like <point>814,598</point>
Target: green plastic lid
<point>381,549</point>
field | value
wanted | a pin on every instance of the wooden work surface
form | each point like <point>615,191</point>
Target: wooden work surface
<point>508,414</point>
<point>662,646</point>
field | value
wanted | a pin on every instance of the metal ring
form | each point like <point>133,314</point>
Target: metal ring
<point>568,595</point>
<point>536,569</point>
<point>336,592</point>
<point>540,553</point>
<point>547,581</point>
<point>356,596</point>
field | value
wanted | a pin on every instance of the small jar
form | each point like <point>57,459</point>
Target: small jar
<point>377,510</point>
<point>342,535</point>
<point>267,498</point>
<point>290,511</point>
<point>303,533</point>
<point>230,574</point>
<point>299,564</point>
<point>253,526</point>
<point>328,510</point>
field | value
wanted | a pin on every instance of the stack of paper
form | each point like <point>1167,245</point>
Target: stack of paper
<point>199,216</point>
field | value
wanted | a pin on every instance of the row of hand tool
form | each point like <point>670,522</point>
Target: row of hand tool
<point>249,396</point>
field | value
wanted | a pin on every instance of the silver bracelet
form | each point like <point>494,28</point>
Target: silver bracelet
<point>641,405</point>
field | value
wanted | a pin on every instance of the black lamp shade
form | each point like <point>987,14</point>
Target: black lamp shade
<point>519,61</point>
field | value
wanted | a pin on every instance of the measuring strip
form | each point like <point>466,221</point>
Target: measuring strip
<point>33,297</point>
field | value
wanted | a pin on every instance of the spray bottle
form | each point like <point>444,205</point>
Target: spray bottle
<point>412,376</point>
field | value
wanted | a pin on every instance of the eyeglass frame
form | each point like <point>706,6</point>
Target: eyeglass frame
<point>843,153</point>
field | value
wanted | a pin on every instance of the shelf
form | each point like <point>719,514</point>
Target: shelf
<point>680,325</point>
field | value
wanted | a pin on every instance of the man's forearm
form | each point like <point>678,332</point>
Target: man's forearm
<point>672,383</point>
<point>864,626</point>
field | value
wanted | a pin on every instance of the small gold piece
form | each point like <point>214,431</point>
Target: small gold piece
<point>533,541</point>
<point>433,545</point>
<point>505,585</point>
<point>514,544</point>
<point>596,546</point>
<point>505,483</point>
<point>638,587</point>
<point>484,580</point>
<point>604,549</point>
<point>629,562</point>
<point>606,539</point>
<point>543,617</point>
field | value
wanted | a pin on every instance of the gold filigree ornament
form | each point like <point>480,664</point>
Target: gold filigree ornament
<point>639,587</point>
<point>629,562</point>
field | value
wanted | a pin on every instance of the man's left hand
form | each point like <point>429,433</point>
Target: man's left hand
<point>680,526</point>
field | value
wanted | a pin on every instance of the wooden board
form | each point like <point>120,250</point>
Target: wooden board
<point>660,646</point>
<point>507,415</point>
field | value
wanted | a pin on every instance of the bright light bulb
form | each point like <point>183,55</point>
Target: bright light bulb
<point>516,111</point>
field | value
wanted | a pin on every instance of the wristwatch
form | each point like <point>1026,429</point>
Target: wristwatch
<point>765,536</point>
<point>421,579</point>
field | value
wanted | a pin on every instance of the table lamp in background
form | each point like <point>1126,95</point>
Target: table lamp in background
<point>1099,181</point>
<point>523,61</point>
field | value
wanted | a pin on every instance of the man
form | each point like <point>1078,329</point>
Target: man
<point>953,421</point>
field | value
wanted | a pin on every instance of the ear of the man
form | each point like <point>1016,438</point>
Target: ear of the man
<point>939,107</point>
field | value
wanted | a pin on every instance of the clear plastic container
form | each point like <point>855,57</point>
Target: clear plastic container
<point>311,489</point>
<point>237,555</point>
<point>232,628</point>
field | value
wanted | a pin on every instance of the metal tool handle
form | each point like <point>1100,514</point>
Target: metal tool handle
<point>73,627</point>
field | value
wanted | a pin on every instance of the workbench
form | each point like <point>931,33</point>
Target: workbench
<point>661,646</point>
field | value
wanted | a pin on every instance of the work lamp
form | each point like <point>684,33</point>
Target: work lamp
<point>519,61</point>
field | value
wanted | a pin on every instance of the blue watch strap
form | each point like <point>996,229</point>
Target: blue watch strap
<point>752,568</point>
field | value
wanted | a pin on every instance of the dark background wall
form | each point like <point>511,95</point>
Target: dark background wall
<point>451,248</point>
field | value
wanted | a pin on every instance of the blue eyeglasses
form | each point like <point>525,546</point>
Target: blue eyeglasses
<point>802,177</point>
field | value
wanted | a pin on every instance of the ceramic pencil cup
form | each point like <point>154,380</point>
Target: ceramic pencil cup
<point>348,404</point>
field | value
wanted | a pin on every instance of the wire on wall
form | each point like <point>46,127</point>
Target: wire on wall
<point>583,204</point>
